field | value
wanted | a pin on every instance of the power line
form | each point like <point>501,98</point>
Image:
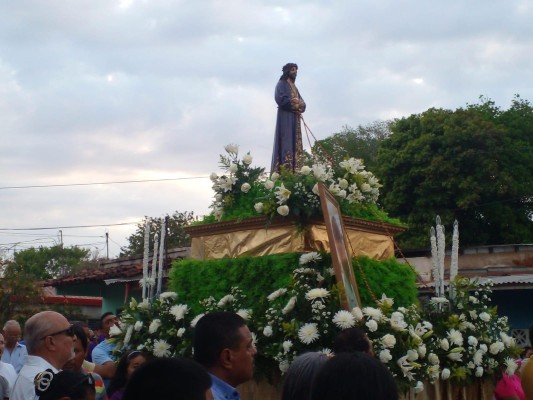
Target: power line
<point>100,183</point>
<point>69,227</point>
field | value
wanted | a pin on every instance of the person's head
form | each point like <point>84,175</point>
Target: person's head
<point>290,70</point>
<point>12,333</point>
<point>224,345</point>
<point>49,335</point>
<point>169,378</point>
<point>297,384</point>
<point>80,349</point>
<point>107,320</point>
<point>2,344</point>
<point>354,376</point>
<point>127,364</point>
<point>65,385</point>
<point>350,340</point>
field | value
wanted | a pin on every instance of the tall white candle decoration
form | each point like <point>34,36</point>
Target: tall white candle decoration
<point>154,265</point>
<point>441,252</point>
<point>454,263</point>
<point>145,258</point>
<point>436,277</point>
<point>161,257</point>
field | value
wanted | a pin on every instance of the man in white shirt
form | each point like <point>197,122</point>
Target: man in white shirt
<point>15,352</point>
<point>6,371</point>
<point>49,340</point>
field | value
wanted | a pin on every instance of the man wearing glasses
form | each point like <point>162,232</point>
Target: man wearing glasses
<point>49,340</point>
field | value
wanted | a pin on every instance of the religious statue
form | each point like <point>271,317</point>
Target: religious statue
<point>288,146</point>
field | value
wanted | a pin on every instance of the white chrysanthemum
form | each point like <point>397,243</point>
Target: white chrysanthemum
<point>225,300</point>
<point>247,159</point>
<point>344,319</point>
<point>161,348</point>
<point>478,357</point>
<point>484,316</point>
<point>179,311</point>
<point>438,300</point>
<point>422,349</point>
<point>244,313</point>
<point>258,207</point>
<point>306,258</point>
<point>317,293</point>
<point>511,366</point>
<point>168,295</point>
<point>373,313</point>
<point>372,325</point>
<point>327,352</point>
<point>138,326</point>
<point>289,306</point>
<point>267,331</point>
<point>496,347</point>
<point>357,313</point>
<point>114,331</point>
<point>284,366</point>
<point>308,333</point>
<point>472,341</point>
<point>433,372</point>
<point>388,340</point>
<point>412,355</point>
<point>433,359</point>
<point>479,372</point>
<point>180,332</point>
<point>283,210</point>
<point>154,326</point>
<point>275,294</point>
<point>507,340</point>
<point>455,337</point>
<point>385,356</point>
<point>196,319</point>
<point>287,344</point>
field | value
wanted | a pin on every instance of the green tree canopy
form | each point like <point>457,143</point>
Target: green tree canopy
<point>175,234</point>
<point>473,164</point>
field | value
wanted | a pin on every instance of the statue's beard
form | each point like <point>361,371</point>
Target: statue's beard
<point>293,76</point>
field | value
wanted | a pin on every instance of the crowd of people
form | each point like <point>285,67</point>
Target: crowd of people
<point>64,360</point>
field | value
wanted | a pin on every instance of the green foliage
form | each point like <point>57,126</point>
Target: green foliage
<point>175,235</point>
<point>472,164</point>
<point>195,280</point>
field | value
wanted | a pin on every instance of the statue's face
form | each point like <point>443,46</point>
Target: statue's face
<point>293,72</point>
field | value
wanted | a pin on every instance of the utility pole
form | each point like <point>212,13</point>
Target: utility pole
<point>107,244</point>
<point>61,237</point>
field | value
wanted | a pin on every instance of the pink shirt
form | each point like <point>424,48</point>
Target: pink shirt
<point>509,386</point>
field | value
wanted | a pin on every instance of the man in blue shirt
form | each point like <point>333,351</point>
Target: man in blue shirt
<point>15,353</point>
<point>223,344</point>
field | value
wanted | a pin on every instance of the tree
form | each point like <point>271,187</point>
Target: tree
<point>175,234</point>
<point>362,142</point>
<point>473,164</point>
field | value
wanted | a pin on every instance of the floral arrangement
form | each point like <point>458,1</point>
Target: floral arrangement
<point>457,339</point>
<point>246,191</point>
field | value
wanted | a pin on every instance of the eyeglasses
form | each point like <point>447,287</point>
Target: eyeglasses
<point>68,331</point>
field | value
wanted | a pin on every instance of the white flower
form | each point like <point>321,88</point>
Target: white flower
<point>244,313</point>
<point>433,359</point>
<point>455,337</point>
<point>180,332</point>
<point>484,317</point>
<point>357,313</point>
<point>373,313</point>
<point>317,293</point>
<point>308,257</point>
<point>511,366</point>
<point>114,331</point>
<point>479,372</point>
<point>282,194</point>
<point>388,340</point>
<point>284,366</point>
<point>455,356</point>
<point>386,301</point>
<point>406,367</point>
<point>315,189</point>
<point>138,326</point>
<point>372,325</point>
<point>218,213</point>
<point>507,340</point>
<point>478,357</point>
<point>245,187</point>
<point>385,356</point>
<point>258,207</point>
<point>422,350</point>
<point>267,331</point>
<point>496,347</point>
<point>419,388</point>
<point>344,319</point>
<point>308,333</point>
<point>473,314</point>
<point>305,170</point>
<point>445,374</point>
<point>196,319</point>
<point>225,300</point>
<point>247,159</point>
<point>233,168</point>
<point>154,326</point>
<point>161,348</point>
<point>287,344</point>
<point>167,295</point>
<point>290,306</point>
<point>412,355</point>
<point>283,210</point>
<point>179,311</point>
<point>269,184</point>
<point>483,347</point>
<point>433,371</point>
<point>274,176</point>
<point>232,149</point>
<point>327,352</point>
<point>274,295</point>
<point>472,341</point>
<point>444,344</point>
<point>397,322</point>
<point>438,300</point>
<point>343,183</point>
<point>129,332</point>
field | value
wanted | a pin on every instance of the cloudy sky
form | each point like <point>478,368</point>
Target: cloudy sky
<point>107,91</point>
